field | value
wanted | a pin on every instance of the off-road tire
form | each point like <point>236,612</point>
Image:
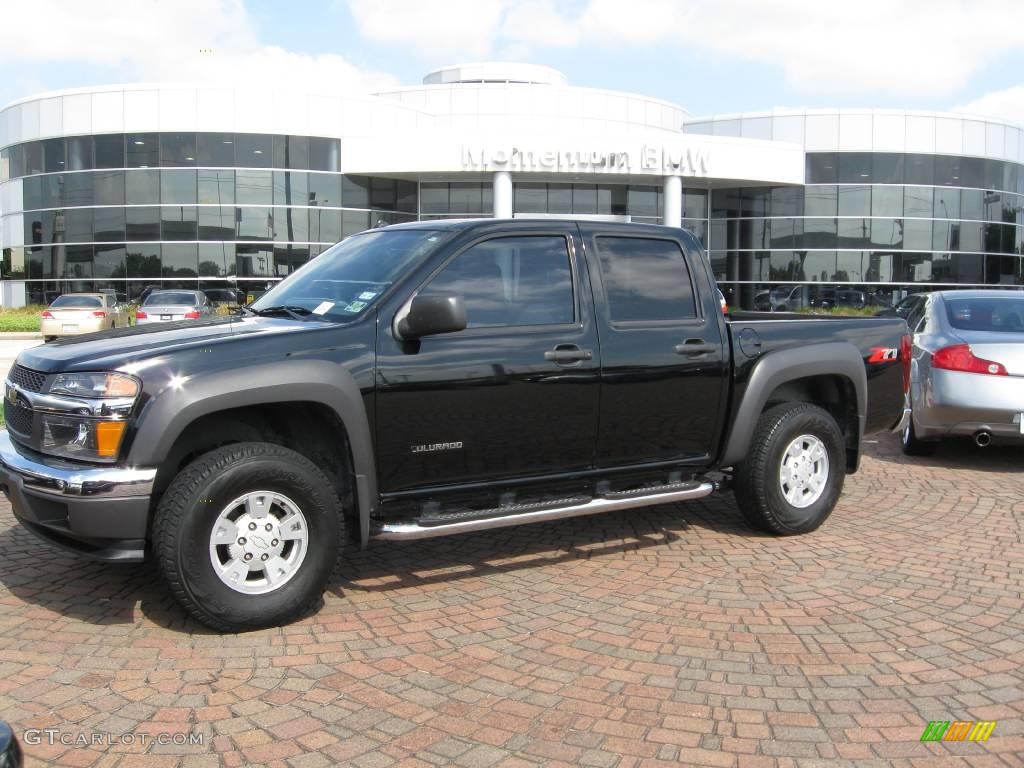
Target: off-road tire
<point>757,483</point>
<point>186,513</point>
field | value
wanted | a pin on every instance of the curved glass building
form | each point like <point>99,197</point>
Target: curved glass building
<point>125,187</point>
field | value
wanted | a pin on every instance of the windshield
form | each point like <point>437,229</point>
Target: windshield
<point>76,302</point>
<point>167,297</point>
<point>343,281</point>
<point>998,315</point>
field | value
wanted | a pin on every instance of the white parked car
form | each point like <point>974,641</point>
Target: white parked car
<point>170,305</point>
<point>76,313</point>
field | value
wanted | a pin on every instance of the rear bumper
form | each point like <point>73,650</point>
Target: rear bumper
<point>959,403</point>
<point>56,327</point>
<point>99,512</point>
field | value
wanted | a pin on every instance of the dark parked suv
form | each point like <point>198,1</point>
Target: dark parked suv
<point>429,379</point>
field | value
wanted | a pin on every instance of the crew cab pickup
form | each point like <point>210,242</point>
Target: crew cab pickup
<point>429,379</point>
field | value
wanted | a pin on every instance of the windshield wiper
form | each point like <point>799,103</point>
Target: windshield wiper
<point>292,310</point>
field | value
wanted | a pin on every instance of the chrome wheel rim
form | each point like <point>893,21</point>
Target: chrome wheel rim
<point>258,542</point>
<point>803,473</point>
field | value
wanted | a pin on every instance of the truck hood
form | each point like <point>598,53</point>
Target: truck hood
<point>109,350</point>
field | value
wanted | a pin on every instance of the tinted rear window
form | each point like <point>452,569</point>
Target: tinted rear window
<point>645,279</point>
<point>998,315</point>
<point>76,302</point>
<point>169,298</point>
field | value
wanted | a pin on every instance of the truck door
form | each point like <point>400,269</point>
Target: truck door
<point>663,349</point>
<point>512,395</point>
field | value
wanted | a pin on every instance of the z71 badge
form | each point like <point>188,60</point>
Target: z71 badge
<point>435,447</point>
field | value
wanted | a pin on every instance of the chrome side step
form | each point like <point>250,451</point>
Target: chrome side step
<point>413,530</point>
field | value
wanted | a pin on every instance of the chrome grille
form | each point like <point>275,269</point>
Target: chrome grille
<point>26,378</point>
<point>18,418</point>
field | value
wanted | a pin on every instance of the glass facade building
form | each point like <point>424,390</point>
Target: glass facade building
<point>126,187</point>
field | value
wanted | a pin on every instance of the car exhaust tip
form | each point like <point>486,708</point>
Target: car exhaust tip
<point>982,439</point>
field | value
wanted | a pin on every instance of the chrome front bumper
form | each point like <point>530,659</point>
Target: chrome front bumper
<point>100,512</point>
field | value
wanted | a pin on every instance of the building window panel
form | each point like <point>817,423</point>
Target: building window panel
<point>947,171</point>
<point>178,186</point>
<point>214,261</point>
<point>559,198</point>
<point>887,233</point>
<point>254,187</point>
<point>917,234</point>
<point>215,150</point>
<point>918,202</point>
<point>109,150</point>
<point>180,260</point>
<point>142,150</point>
<point>291,188</point>
<point>255,223</point>
<point>109,224</point>
<point>78,225</point>
<point>77,262</point>
<point>353,222</point>
<point>854,233</point>
<point>887,168</point>
<point>32,193</point>
<point>695,203</point>
<point>355,192</point>
<point>819,265</point>
<point>324,225</point>
<point>972,172</point>
<point>142,223</point>
<point>254,261</point>
<point>822,168</point>
<point>855,200</point>
<point>465,197</point>
<point>407,203</point>
<point>325,189</point>
<point>291,152</point>
<point>54,160</point>
<point>142,187</point>
<point>216,187</point>
<point>821,201</point>
<point>295,224</point>
<point>253,150</point>
<point>178,222</point>
<point>383,194</point>
<point>856,167</point>
<point>141,261</point>
<point>109,261</point>
<point>886,200</point>
<point>532,197</point>
<point>108,187</point>
<point>947,203</point>
<point>216,223</point>
<point>324,154</point>
<point>177,150</point>
<point>972,204</point>
<point>851,266</point>
<point>584,198</point>
<point>33,157</point>
<point>15,161</point>
<point>919,169</point>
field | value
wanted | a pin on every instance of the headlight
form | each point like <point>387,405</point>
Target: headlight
<point>92,428</point>
<point>78,437</point>
<point>94,385</point>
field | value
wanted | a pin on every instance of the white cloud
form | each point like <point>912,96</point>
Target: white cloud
<point>919,47</point>
<point>460,27</point>
<point>155,40</point>
<point>1007,104</point>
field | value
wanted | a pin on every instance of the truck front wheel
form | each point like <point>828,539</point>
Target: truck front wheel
<point>791,479</point>
<point>247,536</point>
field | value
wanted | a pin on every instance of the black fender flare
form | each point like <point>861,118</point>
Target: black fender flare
<point>170,410</point>
<point>838,358</point>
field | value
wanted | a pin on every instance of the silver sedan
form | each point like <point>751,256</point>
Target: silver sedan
<point>967,369</point>
<point>170,305</point>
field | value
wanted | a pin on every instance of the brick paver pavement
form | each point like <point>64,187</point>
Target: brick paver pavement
<point>665,636</point>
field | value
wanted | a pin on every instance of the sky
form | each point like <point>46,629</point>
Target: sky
<point>708,56</point>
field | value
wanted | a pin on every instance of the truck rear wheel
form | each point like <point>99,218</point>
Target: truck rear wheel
<point>791,479</point>
<point>247,536</point>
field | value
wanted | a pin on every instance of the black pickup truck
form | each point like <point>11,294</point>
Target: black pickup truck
<point>428,379</point>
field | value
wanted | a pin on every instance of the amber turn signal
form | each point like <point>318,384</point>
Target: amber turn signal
<point>108,438</point>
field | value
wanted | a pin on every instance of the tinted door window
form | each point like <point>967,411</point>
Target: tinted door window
<point>645,279</point>
<point>512,281</point>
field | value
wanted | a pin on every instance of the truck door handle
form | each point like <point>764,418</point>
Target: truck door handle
<point>567,354</point>
<point>695,348</point>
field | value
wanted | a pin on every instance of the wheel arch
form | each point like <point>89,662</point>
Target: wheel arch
<point>178,420</point>
<point>830,375</point>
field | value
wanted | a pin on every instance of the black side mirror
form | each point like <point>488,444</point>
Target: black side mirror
<point>430,314</point>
